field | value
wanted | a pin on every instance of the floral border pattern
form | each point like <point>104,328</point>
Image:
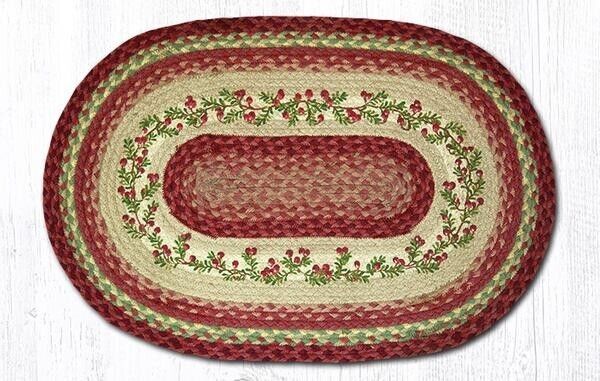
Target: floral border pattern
<point>463,194</point>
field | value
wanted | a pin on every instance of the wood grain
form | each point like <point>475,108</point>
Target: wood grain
<point>47,332</point>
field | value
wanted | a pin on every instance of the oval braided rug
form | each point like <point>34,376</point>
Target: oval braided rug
<point>300,189</point>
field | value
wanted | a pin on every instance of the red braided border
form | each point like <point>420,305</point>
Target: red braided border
<point>476,324</point>
<point>308,317</point>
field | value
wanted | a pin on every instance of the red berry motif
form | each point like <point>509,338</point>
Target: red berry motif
<point>385,115</point>
<point>366,96</point>
<point>342,250</point>
<point>415,107</point>
<point>419,241</point>
<point>449,185</point>
<point>323,271</point>
<point>353,115</point>
<point>462,193</point>
<point>239,94</point>
<point>203,119</point>
<point>190,102</point>
<point>399,261</point>
<point>325,96</point>
<point>220,112</point>
<point>304,252</point>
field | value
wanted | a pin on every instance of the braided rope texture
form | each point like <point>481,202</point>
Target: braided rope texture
<point>273,317</point>
<point>228,186</point>
<point>336,333</point>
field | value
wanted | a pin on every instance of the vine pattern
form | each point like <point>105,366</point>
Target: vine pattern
<point>463,194</point>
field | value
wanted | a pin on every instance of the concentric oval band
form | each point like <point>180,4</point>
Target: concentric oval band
<point>396,107</point>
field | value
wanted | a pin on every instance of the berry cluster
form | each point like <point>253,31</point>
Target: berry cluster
<point>463,194</point>
<point>232,106</point>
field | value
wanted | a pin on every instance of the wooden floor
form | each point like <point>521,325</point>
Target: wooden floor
<point>47,332</point>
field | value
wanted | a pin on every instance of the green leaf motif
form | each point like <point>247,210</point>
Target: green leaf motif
<point>462,194</point>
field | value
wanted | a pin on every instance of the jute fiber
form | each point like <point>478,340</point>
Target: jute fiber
<point>300,189</point>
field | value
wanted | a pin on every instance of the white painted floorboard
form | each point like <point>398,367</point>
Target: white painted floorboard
<point>47,332</point>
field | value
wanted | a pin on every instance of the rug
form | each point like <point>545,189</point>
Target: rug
<point>299,189</point>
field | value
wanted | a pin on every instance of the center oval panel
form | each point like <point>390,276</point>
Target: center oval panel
<point>298,186</point>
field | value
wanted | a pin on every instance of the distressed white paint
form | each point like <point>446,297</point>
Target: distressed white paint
<point>47,332</point>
